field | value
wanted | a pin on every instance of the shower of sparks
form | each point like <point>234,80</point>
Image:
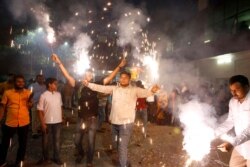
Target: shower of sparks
<point>82,63</point>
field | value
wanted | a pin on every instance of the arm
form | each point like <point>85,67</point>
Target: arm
<point>3,106</point>
<point>225,126</point>
<point>65,73</point>
<point>143,93</point>
<point>242,138</point>
<point>2,109</point>
<point>40,111</point>
<point>113,74</point>
<point>100,88</point>
<point>41,118</point>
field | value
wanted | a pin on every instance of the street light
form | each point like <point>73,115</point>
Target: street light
<point>39,29</point>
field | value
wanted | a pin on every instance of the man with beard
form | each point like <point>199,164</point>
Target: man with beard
<point>239,119</point>
<point>15,105</point>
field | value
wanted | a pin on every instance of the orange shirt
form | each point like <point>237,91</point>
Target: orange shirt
<point>16,104</point>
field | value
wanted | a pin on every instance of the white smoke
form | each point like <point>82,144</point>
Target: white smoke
<point>21,9</point>
<point>199,121</point>
<point>74,25</point>
<point>81,51</point>
<point>131,24</point>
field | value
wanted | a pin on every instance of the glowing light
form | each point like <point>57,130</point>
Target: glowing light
<point>82,63</point>
<point>83,126</point>
<point>139,13</point>
<point>199,123</point>
<point>66,44</point>
<point>148,19</point>
<point>105,9</point>
<point>98,155</point>
<point>40,29</point>
<point>153,66</point>
<point>76,14</point>
<point>31,89</point>
<point>109,25</point>
<point>207,41</point>
<point>90,21</point>
<point>51,37</point>
<point>109,4</point>
<point>225,59</point>
<point>41,72</point>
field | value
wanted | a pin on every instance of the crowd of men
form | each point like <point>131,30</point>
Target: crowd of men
<point>41,105</point>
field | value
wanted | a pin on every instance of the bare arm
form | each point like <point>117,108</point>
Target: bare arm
<point>113,74</point>
<point>2,109</point>
<point>65,73</point>
<point>41,118</point>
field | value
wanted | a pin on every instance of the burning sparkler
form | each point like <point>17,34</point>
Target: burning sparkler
<point>199,123</point>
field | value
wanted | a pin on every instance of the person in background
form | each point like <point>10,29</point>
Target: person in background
<point>141,109</point>
<point>67,94</point>
<point>9,84</point>
<point>37,89</point>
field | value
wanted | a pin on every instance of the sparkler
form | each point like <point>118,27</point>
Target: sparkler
<point>199,122</point>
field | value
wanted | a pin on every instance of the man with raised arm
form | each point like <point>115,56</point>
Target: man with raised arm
<point>122,116</point>
<point>88,109</point>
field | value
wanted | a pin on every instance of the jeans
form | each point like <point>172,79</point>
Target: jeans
<point>238,160</point>
<point>120,137</point>
<point>55,131</point>
<point>89,130</point>
<point>101,116</point>
<point>35,124</point>
<point>8,133</point>
<point>143,116</point>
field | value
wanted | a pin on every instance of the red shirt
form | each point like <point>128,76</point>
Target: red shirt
<point>141,104</point>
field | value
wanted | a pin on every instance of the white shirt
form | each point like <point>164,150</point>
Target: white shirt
<point>37,90</point>
<point>51,104</point>
<point>239,118</point>
<point>150,99</point>
<point>123,101</point>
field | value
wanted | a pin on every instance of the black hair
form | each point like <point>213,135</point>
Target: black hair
<point>126,73</point>
<point>50,81</point>
<point>39,75</point>
<point>239,78</point>
<point>19,76</point>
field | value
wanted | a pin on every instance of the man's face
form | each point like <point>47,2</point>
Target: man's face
<point>124,80</point>
<point>53,86</point>
<point>88,76</point>
<point>19,83</point>
<point>40,79</point>
<point>238,91</point>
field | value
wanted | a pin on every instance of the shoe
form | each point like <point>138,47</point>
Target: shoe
<point>90,165</point>
<point>79,159</point>
<point>58,162</point>
<point>35,135</point>
<point>3,164</point>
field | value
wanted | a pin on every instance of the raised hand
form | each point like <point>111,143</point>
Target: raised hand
<point>55,58</point>
<point>155,88</point>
